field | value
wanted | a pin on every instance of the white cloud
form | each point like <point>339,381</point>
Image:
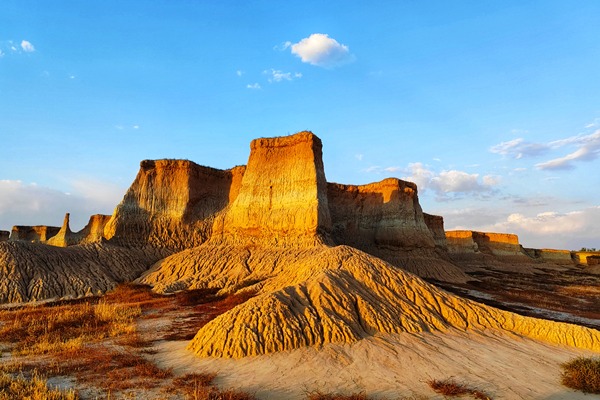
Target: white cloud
<point>571,230</point>
<point>1,53</point>
<point>454,181</point>
<point>276,75</point>
<point>31,204</point>
<point>321,50</point>
<point>519,148</point>
<point>254,86</point>
<point>27,46</point>
<point>239,72</point>
<point>588,149</point>
<point>359,157</point>
<point>491,180</point>
<point>448,183</point>
<point>136,127</point>
<point>420,175</point>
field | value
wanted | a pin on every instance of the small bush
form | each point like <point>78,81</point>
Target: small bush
<point>582,374</point>
<point>449,387</point>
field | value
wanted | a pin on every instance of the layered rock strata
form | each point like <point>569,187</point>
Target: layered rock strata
<point>172,204</point>
<point>37,233</point>
<point>561,257</point>
<point>282,199</point>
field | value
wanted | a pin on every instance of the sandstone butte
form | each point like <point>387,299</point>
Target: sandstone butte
<point>329,263</point>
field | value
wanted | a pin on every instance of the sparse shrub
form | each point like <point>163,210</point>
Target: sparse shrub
<point>35,388</point>
<point>317,395</point>
<point>449,387</point>
<point>582,373</point>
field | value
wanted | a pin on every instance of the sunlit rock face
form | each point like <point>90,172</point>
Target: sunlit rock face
<point>282,199</point>
<point>497,244</point>
<point>561,257</point>
<point>172,204</point>
<point>93,232</point>
<point>37,233</point>
<point>586,257</point>
<point>385,213</point>
<point>461,242</point>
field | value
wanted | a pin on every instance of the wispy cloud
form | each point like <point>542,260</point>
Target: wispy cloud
<point>587,149</point>
<point>283,46</point>
<point>275,75</point>
<point>254,86</point>
<point>239,72</point>
<point>321,50</point>
<point>519,148</point>
<point>27,46</point>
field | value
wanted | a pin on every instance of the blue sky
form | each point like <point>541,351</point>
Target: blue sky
<point>492,108</point>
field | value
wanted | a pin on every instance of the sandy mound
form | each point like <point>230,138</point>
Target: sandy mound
<point>331,295</point>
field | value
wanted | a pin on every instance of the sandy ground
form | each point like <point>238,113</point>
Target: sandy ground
<point>393,367</point>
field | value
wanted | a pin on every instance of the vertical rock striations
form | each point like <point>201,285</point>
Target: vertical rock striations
<point>385,213</point>
<point>282,199</point>
<point>172,204</point>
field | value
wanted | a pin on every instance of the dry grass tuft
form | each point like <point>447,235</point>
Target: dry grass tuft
<point>34,388</point>
<point>199,387</point>
<point>47,329</point>
<point>449,387</point>
<point>582,374</point>
<point>317,395</point>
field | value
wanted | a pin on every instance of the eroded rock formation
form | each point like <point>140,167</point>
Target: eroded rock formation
<point>172,204</point>
<point>4,235</point>
<point>562,257</point>
<point>327,261</point>
<point>32,271</point>
<point>93,232</point>
<point>37,233</point>
<point>435,223</point>
<point>283,198</point>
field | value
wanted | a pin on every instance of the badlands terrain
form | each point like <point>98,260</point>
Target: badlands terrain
<point>267,281</point>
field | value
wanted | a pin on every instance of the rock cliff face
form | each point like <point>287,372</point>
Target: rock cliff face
<point>172,204</point>
<point>584,257</point>
<point>93,232</point>
<point>385,213</point>
<point>4,235</point>
<point>282,200</point>
<point>38,233</point>
<point>435,223</point>
<point>562,257</point>
<point>497,244</point>
<point>461,242</point>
